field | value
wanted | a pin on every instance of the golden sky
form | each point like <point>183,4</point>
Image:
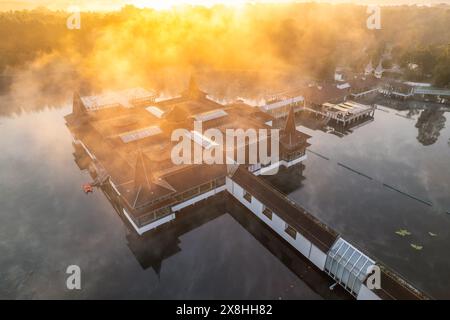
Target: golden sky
<point>166,4</point>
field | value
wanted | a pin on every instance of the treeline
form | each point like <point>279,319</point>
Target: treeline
<point>298,39</point>
<point>28,34</point>
<point>429,63</point>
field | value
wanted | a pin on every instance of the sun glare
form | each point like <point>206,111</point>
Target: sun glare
<point>167,4</point>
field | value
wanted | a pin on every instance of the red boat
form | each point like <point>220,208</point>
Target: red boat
<point>88,188</point>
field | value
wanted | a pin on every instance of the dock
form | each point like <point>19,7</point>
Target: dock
<point>345,113</point>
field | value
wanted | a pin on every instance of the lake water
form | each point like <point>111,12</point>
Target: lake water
<point>392,154</point>
<point>47,223</point>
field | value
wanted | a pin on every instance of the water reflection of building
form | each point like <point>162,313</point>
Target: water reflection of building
<point>152,249</point>
<point>288,179</point>
<point>430,123</point>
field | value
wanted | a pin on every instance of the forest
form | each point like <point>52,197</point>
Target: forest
<point>142,45</point>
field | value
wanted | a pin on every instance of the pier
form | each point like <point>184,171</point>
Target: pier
<point>344,114</point>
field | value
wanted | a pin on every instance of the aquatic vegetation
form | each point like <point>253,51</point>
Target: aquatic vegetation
<point>417,247</point>
<point>403,232</point>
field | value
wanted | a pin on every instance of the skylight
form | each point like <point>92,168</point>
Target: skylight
<point>202,140</point>
<point>211,115</point>
<point>140,134</point>
<point>157,112</point>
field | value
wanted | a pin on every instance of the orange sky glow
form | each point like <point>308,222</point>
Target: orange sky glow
<point>167,4</point>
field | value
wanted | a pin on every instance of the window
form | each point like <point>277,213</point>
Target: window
<point>162,212</point>
<point>190,193</point>
<point>205,187</point>
<point>291,231</point>
<point>154,215</point>
<point>247,196</point>
<point>220,181</point>
<point>268,213</point>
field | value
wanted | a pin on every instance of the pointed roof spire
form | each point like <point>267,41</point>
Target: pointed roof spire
<point>157,268</point>
<point>78,105</point>
<point>193,87</point>
<point>289,128</point>
<point>369,68</point>
<point>177,114</point>
<point>143,174</point>
<point>145,183</point>
<point>193,91</point>
<point>380,67</point>
<point>379,70</point>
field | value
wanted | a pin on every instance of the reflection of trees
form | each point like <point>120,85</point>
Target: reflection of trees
<point>430,123</point>
<point>287,180</point>
<point>41,85</point>
<point>412,112</point>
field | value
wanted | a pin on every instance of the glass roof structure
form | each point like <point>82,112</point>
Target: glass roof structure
<point>200,139</point>
<point>211,115</point>
<point>114,99</point>
<point>282,103</point>
<point>157,112</point>
<point>348,266</point>
<point>140,134</point>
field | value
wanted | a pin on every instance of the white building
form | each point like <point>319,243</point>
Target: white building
<point>379,71</point>
<point>369,69</point>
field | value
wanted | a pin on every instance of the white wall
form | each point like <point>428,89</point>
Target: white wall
<point>159,222</point>
<point>317,257</point>
<point>366,294</point>
<point>150,226</point>
<point>295,161</point>
<point>303,245</point>
<point>273,168</point>
<point>114,187</point>
<point>198,198</point>
<point>85,149</point>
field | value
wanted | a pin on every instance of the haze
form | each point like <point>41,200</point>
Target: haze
<point>94,5</point>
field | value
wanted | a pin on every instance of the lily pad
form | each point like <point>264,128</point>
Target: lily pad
<point>417,247</point>
<point>403,232</point>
